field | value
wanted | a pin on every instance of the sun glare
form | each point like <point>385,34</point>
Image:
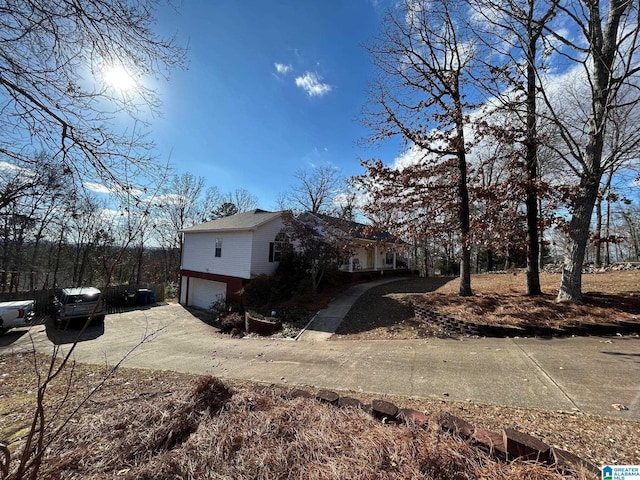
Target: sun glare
<point>119,78</point>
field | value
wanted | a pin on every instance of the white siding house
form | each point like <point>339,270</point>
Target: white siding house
<point>198,252</point>
<point>220,256</point>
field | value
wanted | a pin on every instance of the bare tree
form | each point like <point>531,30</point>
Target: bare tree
<point>630,216</point>
<point>17,182</point>
<point>213,198</point>
<point>48,421</point>
<point>184,202</point>
<point>217,204</point>
<point>348,202</point>
<point>242,200</point>
<point>313,191</point>
<point>424,58</point>
<point>54,57</point>
<point>497,188</point>
<point>178,207</point>
<point>605,48</point>
<point>232,203</point>
<point>515,32</point>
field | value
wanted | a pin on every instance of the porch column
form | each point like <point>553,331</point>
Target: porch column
<point>375,257</point>
<point>350,264</point>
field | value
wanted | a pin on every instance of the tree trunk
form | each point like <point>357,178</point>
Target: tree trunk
<point>464,210</point>
<point>465,272</point>
<point>607,229</point>
<point>598,233</point>
<point>533,247</point>
<point>83,266</point>
<point>571,285</point>
<point>464,214</point>
<point>603,44</point>
<point>58,256</point>
<point>540,240</point>
<point>633,234</point>
<point>140,255</point>
<point>426,259</point>
<point>531,201</point>
<point>317,273</point>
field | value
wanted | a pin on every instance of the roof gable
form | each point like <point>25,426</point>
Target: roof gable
<point>242,221</point>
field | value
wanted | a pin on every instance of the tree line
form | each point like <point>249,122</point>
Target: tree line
<point>56,235</point>
<point>518,117</point>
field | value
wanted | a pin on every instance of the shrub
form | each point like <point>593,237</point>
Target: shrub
<point>293,275</point>
<point>232,322</point>
<point>332,277</point>
<point>292,279</point>
<point>259,291</point>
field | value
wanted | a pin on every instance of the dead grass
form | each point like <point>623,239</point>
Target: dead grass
<point>500,299</point>
<point>157,425</point>
<point>620,282</point>
<point>261,434</point>
<point>385,312</point>
<point>18,389</point>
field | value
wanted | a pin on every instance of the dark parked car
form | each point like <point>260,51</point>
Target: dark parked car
<point>79,302</point>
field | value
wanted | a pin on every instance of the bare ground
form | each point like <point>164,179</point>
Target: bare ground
<point>386,311</point>
<point>145,424</point>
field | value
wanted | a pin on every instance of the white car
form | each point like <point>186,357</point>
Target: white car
<point>79,302</point>
<point>15,314</point>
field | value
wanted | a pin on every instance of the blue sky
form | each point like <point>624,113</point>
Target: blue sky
<point>236,120</point>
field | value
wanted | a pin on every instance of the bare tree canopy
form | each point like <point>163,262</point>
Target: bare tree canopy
<point>314,190</point>
<point>607,51</point>
<point>515,32</point>
<point>55,60</point>
<point>242,200</point>
<point>421,94</point>
<point>540,78</point>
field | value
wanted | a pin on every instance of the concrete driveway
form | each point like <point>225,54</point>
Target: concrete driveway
<point>589,374</point>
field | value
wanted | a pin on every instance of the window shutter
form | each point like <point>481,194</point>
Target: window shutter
<point>270,251</point>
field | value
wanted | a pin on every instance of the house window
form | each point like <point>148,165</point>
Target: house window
<point>218,252</point>
<point>278,247</point>
<point>389,258</point>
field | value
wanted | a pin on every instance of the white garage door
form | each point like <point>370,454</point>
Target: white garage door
<point>202,293</point>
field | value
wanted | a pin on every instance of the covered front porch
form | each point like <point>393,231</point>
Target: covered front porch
<point>372,257</point>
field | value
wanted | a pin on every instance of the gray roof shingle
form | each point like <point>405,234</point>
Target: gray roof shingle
<point>242,221</point>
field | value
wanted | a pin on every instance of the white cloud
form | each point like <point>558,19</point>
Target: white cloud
<point>311,83</point>
<point>116,190</point>
<point>171,199</point>
<point>283,69</point>
<point>110,215</point>
<point>9,167</point>
<point>10,170</point>
<point>414,155</point>
<point>411,156</point>
<point>97,187</point>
